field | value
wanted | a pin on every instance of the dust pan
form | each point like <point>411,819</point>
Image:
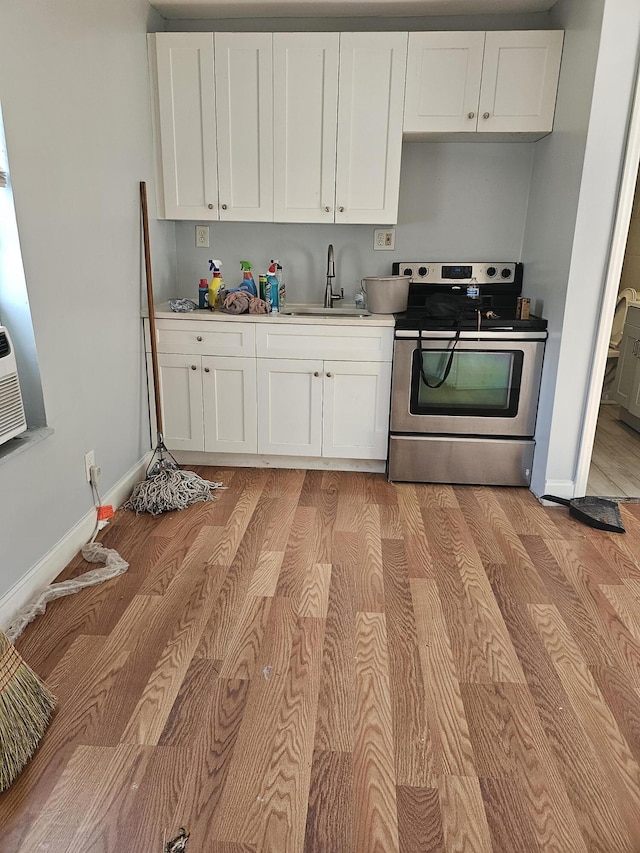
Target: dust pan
<point>596,512</point>
<point>166,487</point>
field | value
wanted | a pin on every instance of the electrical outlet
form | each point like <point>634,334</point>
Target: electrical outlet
<point>202,236</point>
<point>89,463</point>
<point>384,238</point>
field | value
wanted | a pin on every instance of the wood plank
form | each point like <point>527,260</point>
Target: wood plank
<point>419,820</point>
<point>330,814</point>
<point>314,599</point>
<point>464,821</point>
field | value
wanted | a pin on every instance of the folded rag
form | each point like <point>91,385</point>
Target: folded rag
<point>236,302</point>
<point>258,306</point>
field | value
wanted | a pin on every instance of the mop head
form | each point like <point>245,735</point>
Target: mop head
<point>25,709</point>
<point>170,490</point>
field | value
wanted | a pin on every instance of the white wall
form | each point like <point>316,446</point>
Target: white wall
<point>74,93</point>
<point>573,201</point>
<point>455,199</point>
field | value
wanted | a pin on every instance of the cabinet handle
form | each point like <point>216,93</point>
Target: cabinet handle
<point>224,206</point>
<point>341,209</point>
<point>486,115</point>
<point>193,367</point>
<point>327,209</point>
<point>472,115</point>
<point>206,370</point>
<point>210,206</point>
<point>635,348</point>
<point>329,375</point>
<point>316,373</point>
<point>199,338</point>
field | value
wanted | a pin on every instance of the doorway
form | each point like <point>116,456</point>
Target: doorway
<point>615,461</point>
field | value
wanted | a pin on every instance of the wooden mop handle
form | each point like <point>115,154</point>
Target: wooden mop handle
<point>152,316</point>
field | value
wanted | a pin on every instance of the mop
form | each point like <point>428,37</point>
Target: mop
<point>166,487</point>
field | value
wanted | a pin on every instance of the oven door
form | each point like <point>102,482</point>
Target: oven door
<point>492,387</point>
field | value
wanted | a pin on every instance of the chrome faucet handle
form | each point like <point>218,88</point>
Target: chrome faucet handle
<point>336,297</point>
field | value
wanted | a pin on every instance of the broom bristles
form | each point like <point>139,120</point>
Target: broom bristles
<point>26,704</point>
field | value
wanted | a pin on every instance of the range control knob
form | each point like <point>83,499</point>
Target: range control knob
<point>407,271</point>
<point>491,271</point>
<point>422,271</point>
<point>506,272</point>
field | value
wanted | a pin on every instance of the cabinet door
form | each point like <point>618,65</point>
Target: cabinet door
<point>230,408</point>
<point>519,80</point>
<point>244,94</point>
<point>356,409</point>
<point>626,366</point>
<point>181,401</point>
<point>443,82</point>
<point>370,109</point>
<point>290,407</point>
<point>305,72</point>
<point>186,124</point>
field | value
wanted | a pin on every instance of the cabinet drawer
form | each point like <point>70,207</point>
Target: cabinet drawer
<point>346,343</point>
<point>199,338</point>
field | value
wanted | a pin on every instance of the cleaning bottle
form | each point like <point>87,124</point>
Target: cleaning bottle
<point>273,289</point>
<point>248,282</point>
<point>215,284</point>
<point>282,297</point>
<point>203,293</point>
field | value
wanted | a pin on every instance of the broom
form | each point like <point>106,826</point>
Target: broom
<point>25,708</point>
<point>165,487</point>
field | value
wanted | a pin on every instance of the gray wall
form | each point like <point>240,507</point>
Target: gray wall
<point>574,193</point>
<point>456,199</point>
<point>75,101</point>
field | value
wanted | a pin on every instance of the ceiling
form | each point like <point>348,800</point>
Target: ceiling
<point>173,9</point>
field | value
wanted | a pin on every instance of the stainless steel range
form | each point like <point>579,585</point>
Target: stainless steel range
<point>465,391</point>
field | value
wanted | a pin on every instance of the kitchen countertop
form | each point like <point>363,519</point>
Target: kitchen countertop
<point>163,312</point>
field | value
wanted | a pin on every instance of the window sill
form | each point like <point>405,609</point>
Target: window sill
<point>23,442</point>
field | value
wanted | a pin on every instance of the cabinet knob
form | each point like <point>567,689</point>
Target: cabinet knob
<point>472,115</point>
<point>329,375</point>
<point>224,206</point>
<point>206,370</point>
<point>486,115</point>
<point>327,209</point>
<point>193,367</point>
<point>341,209</point>
<point>199,338</point>
<point>316,373</point>
<point>210,206</point>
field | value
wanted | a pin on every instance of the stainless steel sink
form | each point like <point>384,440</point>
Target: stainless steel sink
<point>314,311</point>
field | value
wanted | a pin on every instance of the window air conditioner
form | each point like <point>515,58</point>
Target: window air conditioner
<point>12,419</point>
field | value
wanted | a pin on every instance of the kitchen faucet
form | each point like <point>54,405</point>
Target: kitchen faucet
<point>329,296</point>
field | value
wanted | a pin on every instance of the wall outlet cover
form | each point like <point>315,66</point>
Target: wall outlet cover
<point>384,239</point>
<point>202,236</point>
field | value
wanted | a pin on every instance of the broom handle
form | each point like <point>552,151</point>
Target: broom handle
<point>152,316</point>
<point>556,500</point>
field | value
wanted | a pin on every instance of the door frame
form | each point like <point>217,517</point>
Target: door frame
<point>611,284</point>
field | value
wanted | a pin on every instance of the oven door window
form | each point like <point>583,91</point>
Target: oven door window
<point>482,383</point>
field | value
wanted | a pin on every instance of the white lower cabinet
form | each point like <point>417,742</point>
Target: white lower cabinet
<point>627,381</point>
<point>277,389</point>
<point>335,409</point>
<point>208,403</point>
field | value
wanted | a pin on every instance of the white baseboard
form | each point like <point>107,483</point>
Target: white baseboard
<point>49,567</point>
<point>560,488</point>
<point>258,460</point>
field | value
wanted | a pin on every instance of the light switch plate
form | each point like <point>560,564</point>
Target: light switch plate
<point>202,236</point>
<point>384,239</point>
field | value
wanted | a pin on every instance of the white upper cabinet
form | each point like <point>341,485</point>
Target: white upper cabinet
<point>443,81</point>
<point>244,121</point>
<point>370,109</point>
<point>338,101</point>
<point>491,83</point>
<point>519,81</point>
<point>182,65</point>
<point>305,72</point>
<point>214,125</point>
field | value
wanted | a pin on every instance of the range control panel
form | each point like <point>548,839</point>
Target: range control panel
<point>492,272</point>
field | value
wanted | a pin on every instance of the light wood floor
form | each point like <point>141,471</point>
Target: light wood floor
<point>615,462</point>
<point>328,663</point>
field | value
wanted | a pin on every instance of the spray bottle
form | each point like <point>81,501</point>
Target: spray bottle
<point>248,282</point>
<point>215,284</point>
